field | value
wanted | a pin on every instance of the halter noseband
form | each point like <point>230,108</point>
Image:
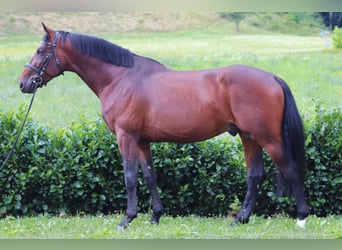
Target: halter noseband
<point>38,78</point>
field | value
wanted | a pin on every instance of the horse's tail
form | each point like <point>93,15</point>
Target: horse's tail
<point>292,131</point>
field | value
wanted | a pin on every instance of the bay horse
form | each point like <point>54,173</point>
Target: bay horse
<point>143,101</point>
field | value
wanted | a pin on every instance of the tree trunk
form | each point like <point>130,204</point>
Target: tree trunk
<point>237,27</point>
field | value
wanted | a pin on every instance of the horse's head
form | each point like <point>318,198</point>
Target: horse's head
<point>44,64</point>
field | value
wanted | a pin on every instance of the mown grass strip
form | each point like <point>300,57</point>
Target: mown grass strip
<point>191,227</point>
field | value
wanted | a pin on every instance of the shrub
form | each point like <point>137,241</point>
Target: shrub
<point>78,169</point>
<point>324,161</point>
<point>337,38</point>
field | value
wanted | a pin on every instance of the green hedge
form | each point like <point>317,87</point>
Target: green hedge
<point>78,170</point>
<point>337,38</point>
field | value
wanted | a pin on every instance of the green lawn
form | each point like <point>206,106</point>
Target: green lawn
<point>313,72</point>
<point>192,227</point>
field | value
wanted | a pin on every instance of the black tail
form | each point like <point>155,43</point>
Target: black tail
<point>292,130</point>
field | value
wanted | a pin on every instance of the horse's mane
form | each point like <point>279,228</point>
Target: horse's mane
<point>100,48</point>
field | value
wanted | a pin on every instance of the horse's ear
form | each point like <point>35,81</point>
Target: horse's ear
<point>48,31</point>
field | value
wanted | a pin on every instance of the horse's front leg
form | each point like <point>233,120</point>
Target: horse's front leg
<point>145,158</point>
<point>129,153</point>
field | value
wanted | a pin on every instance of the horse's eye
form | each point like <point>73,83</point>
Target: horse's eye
<point>39,51</point>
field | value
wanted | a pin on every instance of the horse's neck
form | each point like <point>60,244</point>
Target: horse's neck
<point>99,75</point>
<point>95,73</point>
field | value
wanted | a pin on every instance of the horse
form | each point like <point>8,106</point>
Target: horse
<point>143,101</point>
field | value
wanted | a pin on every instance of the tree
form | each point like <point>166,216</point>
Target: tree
<point>332,19</point>
<point>235,17</point>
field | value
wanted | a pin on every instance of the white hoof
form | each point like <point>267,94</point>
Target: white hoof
<point>301,223</point>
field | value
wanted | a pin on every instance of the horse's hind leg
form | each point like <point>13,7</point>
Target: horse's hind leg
<point>294,175</point>
<point>145,158</point>
<point>255,176</point>
<point>296,183</point>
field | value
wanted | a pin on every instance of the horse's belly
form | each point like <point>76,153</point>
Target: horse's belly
<point>185,132</point>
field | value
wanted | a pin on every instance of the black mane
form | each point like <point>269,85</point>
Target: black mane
<point>100,48</point>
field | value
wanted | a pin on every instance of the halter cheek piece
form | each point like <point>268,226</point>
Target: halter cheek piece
<point>38,78</point>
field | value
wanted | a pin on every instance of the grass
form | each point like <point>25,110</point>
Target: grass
<point>191,227</point>
<point>121,22</point>
<point>312,71</point>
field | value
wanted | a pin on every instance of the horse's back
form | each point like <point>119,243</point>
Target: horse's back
<point>196,105</point>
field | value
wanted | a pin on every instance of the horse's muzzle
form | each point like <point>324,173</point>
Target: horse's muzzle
<point>30,86</point>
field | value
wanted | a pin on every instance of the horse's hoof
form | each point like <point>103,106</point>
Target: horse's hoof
<point>234,223</point>
<point>154,222</point>
<point>155,218</point>
<point>125,222</point>
<point>301,223</point>
<point>123,225</point>
<point>241,221</point>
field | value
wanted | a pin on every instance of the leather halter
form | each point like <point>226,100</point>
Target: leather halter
<point>38,78</point>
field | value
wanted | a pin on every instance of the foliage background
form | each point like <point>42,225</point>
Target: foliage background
<point>78,169</point>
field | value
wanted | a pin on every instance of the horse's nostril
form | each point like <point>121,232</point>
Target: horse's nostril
<point>21,85</point>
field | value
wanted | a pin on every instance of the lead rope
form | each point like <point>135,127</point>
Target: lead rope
<point>17,138</point>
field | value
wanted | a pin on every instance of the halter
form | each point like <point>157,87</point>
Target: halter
<point>38,78</point>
